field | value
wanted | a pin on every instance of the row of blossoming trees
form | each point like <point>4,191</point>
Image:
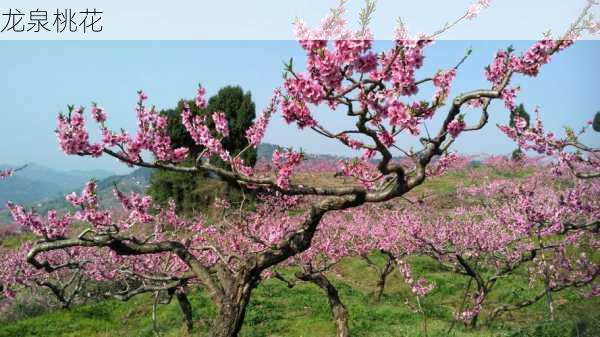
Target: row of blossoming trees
<point>498,227</point>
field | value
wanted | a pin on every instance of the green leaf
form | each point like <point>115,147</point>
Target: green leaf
<point>596,122</point>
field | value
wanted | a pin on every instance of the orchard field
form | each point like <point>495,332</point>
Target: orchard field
<point>277,310</point>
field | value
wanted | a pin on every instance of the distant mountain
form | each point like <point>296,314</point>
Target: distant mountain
<point>136,181</point>
<point>36,183</point>
<point>264,151</point>
<point>64,179</point>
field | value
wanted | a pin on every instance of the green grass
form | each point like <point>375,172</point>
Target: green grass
<point>15,240</point>
<point>303,311</point>
<point>448,182</point>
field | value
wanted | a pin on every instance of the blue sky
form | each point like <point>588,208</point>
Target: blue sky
<point>39,78</point>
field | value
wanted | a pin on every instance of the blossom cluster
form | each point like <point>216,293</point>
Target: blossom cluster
<point>256,132</point>
<point>73,136</point>
<point>419,287</point>
<point>221,123</point>
<point>360,169</point>
<point>137,206</point>
<point>152,135</point>
<point>200,133</point>
<point>54,227</point>
<point>529,63</point>
<point>442,82</point>
<point>456,126</point>
<point>90,210</point>
<point>285,163</point>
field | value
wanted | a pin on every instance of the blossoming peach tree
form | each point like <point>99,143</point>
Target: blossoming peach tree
<point>151,249</point>
<point>357,232</point>
<point>507,226</point>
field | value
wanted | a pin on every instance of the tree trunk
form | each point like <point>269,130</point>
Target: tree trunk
<point>380,288</point>
<point>186,309</point>
<point>483,288</point>
<point>232,310</point>
<point>486,291</point>
<point>338,309</point>
<point>229,321</point>
<point>382,277</point>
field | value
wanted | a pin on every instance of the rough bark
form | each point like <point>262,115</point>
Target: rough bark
<point>337,307</point>
<point>232,306</point>
<point>229,320</point>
